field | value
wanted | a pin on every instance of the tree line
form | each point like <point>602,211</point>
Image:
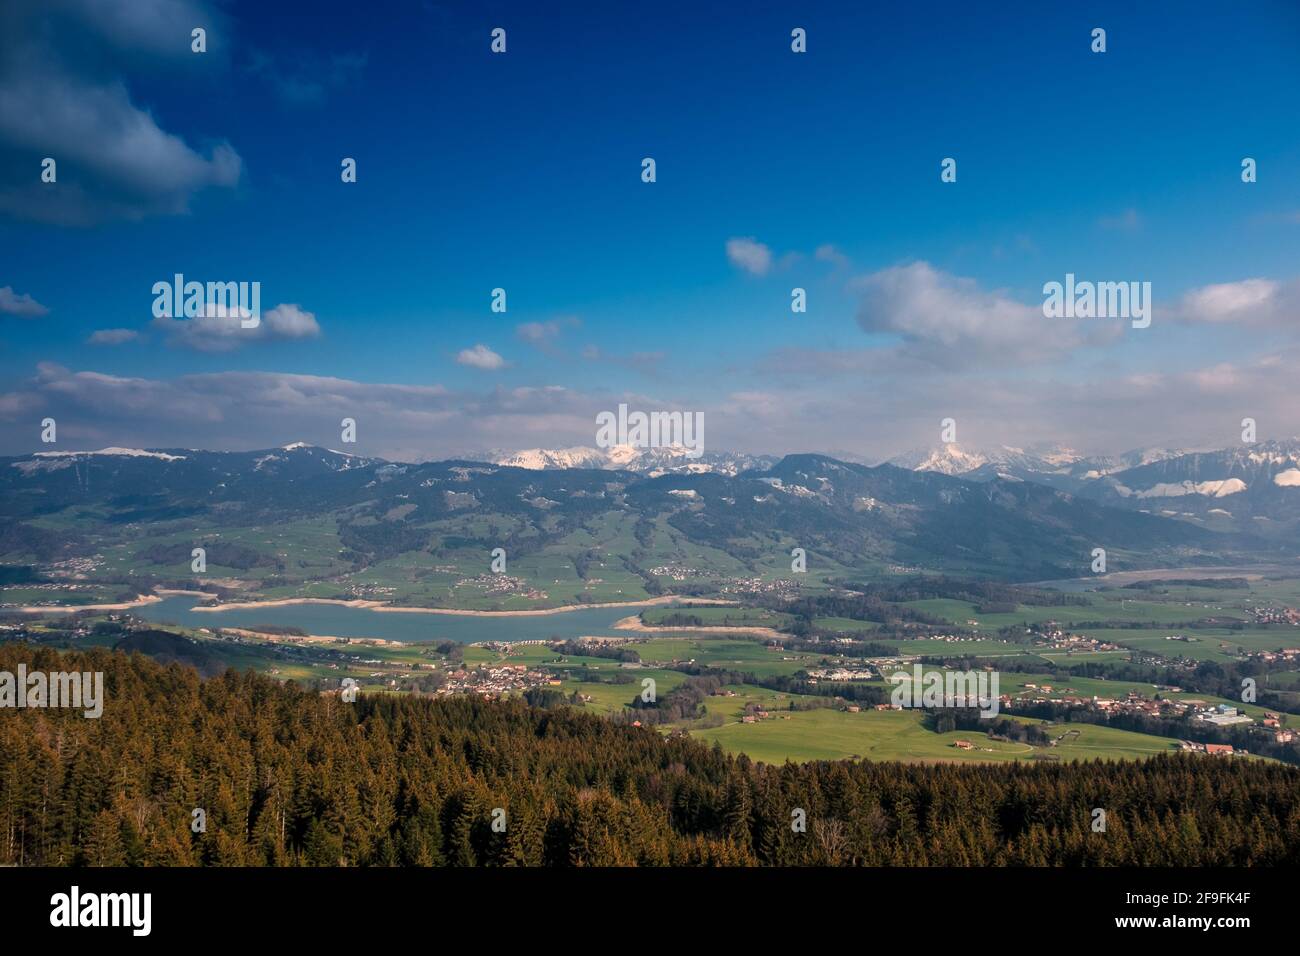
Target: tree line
<point>288,777</point>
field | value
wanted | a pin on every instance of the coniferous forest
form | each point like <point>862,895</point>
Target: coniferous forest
<point>287,777</point>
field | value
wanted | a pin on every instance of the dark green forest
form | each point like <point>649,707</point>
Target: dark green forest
<point>289,777</point>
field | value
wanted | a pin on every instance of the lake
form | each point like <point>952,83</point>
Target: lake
<point>340,621</point>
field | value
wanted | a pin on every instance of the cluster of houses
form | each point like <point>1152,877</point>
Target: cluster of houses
<point>58,594</point>
<point>1051,637</point>
<point>496,681</point>
<point>677,572</point>
<point>845,672</point>
<point>1276,615</point>
<point>753,714</point>
<point>1287,655</point>
<point>957,638</point>
<point>782,588</point>
<point>1217,715</point>
<point>370,592</point>
<point>1214,750</point>
<point>854,708</point>
<point>504,585</point>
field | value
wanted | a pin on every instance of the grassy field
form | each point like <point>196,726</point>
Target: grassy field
<point>723,616</point>
<point>1132,606</point>
<point>901,735</point>
<point>823,733</point>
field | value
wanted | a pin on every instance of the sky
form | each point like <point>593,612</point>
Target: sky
<point>522,170</point>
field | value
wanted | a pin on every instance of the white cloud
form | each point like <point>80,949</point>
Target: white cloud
<point>24,306</point>
<point>219,331</point>
<point>481,357</point>
<point>226,410</point>
<point>1249,301</point>
<point>112,336</point>
<point>159,27</point>
<point>950,321</point>
<point>750,255</point>
<point>114,160</point>
<point>1110,412</point>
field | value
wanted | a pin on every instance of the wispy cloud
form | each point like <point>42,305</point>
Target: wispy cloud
<point>750,255</point>
<point>1248,302</point>
<point>219,331</point>
<point>951,321</point>
<point>545,335</point>
<point>23,306</point>
<point>113,337</point>
<point>480,357</point>
<point>1197,405</point>
<point>113,160</point>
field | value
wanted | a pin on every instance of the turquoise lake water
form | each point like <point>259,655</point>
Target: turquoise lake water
<point>339,621</point>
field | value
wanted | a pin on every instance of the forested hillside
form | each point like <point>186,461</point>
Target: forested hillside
<point>281,519</point>
<point>288,777</point>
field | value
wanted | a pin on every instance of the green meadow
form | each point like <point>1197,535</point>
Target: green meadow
<point>826,734</point>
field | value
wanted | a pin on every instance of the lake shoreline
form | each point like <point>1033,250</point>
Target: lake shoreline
<point>360,603</point>
<point>140,601</point>
<point>390,609</point>
<point>634,623</point>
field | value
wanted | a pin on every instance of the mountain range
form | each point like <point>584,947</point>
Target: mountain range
<point>1249,488</point>
<point>1243,489</point>
<point>1238,505</point>
<point>671,459</point>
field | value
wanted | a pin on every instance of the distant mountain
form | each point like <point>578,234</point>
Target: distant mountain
<point>1251,488</point>
<point>296,459</point>
<point>651,461</point>
<point>947,459</point>
<point>1053,465</point>
<point>1254,488</point>
<point>999,523</point>
<point>299,515</point>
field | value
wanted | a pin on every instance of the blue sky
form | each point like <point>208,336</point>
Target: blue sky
<point>522,171</point>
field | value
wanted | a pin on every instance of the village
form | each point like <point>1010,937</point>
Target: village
<point>1050,636</point>
<point>1274,615</point>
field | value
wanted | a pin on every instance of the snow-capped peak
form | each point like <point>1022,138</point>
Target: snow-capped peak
<point>539,459</point>
<point>119,452</point>
<point>948,459</point>
<point>651,461</point>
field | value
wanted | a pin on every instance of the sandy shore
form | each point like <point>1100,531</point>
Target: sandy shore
<point>634,623</point>
<point>383,606</point>
<point>358,603</point>
<point>70,608</point>
<point>310,638</point>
